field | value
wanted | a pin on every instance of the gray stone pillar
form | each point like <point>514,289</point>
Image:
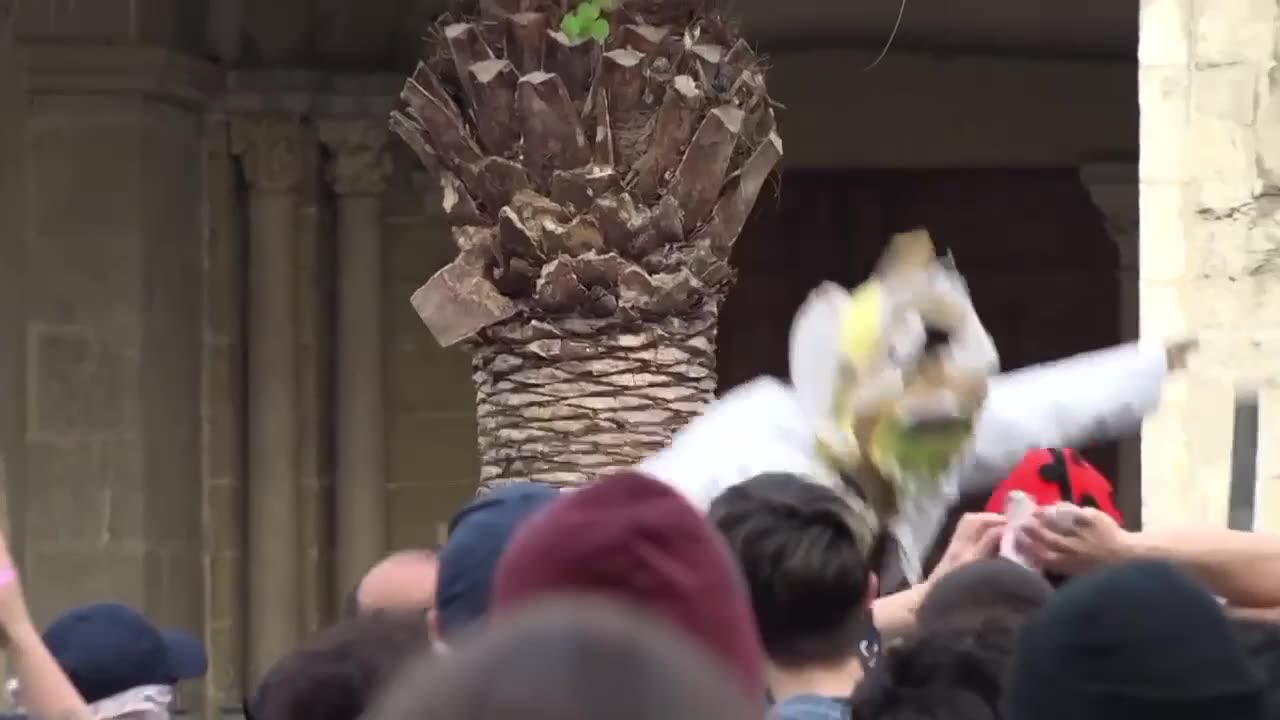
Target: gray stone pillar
<point>358,171</point>
<point>12,241</point>
<point>270,149</point>
<point>1114,190</point>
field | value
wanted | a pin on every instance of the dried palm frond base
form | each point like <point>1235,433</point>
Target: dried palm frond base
<point>596,191</point>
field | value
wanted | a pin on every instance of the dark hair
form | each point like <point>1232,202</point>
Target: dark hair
<point>953,673</point>
<point>1261,643</point>
<point>797,543</point>
<point>580,658</point>
<point>983,588</point>
<point>338,673</point>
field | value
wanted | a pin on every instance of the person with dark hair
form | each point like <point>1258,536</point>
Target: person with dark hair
<point>953,672</point>
<point>632,539</point>
<point>337,675</point>
<point>581,658</point>
<point>803,550</point>
<point>1261,643</point>
<point>1138,641</point>
<point>982,589</point>
<point>478,535</point>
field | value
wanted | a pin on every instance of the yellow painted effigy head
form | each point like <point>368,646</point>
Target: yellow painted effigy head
<point>892,412</point>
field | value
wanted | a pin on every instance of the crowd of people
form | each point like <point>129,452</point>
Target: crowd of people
<point>623,601</point>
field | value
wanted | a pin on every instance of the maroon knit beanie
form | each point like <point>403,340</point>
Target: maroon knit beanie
<point>631,538</point>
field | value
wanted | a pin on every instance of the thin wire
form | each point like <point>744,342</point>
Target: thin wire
<point>902,10</point>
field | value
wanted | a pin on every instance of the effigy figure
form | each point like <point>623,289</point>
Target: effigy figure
<point>901,425</point>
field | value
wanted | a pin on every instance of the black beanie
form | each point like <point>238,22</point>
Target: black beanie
<point>1141,641</point>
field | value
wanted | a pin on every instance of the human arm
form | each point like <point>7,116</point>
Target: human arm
<point>977,537</point>
<point>46,690</point>
<point>1241,567</point>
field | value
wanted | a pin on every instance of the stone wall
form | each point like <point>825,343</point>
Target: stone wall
<point>1210,243</point>
<point>12,252</point>
<point>112,327</point>
<point>431,447</point>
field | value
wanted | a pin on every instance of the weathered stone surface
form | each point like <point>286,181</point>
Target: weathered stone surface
<point>1165,32</point>
<point>1233,31</point>
<point>1163,213</point>
<point>1268,132</point>
<point>1224,156</point>
<point>419,513</point>
<point>1210,238</point>
<point>1163,97</point>
<point>1227,92</point>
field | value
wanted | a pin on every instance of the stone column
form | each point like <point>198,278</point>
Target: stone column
<point>358,172</point>
<point>1210,244</point>
<point>270,149</point>
<point>1114,190</point>
<point>12,241</point>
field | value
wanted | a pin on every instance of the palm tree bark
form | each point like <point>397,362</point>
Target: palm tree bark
<point>563,401</point>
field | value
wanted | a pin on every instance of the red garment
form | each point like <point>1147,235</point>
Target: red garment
<point>632,539</point>
<point>1054,475</point>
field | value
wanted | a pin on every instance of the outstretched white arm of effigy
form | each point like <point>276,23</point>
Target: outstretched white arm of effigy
<point>758,427</point>
<point>1086,398</point>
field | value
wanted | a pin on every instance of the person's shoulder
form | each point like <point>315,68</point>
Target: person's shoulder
<point>810,707</point>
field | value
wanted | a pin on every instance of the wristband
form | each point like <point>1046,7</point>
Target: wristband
<point>7,576</point>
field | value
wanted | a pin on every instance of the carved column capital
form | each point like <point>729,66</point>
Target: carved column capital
<point>270,148</point>
<point>360,163</point>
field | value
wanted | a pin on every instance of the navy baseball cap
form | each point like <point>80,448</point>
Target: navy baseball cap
<point>107,648</point>
<point>477,536</point>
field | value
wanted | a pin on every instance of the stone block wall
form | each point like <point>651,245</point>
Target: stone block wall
<point>1210,244</point>
<point>113,354</point>
<point>430,403</point>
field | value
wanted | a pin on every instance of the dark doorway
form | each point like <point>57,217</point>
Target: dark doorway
<point>1030,243</point>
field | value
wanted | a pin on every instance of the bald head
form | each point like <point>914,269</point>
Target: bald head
<point>405,580</point>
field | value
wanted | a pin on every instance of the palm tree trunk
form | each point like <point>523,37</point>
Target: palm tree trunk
<point>561,401</point>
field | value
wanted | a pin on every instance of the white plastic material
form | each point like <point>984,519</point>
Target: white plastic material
<point>1019,509</point>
